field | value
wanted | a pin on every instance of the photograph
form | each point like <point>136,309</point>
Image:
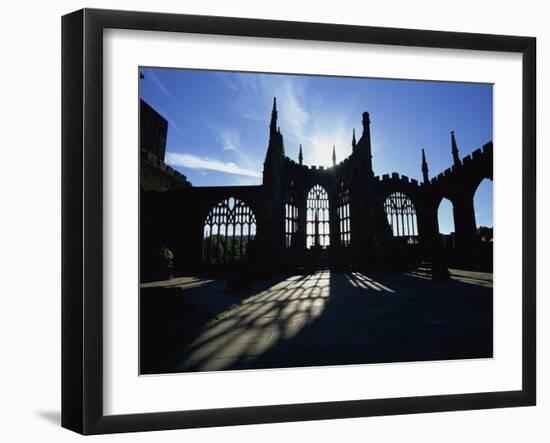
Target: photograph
<point>295,220</point>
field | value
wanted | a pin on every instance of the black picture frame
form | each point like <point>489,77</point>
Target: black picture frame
<point>82,218</point>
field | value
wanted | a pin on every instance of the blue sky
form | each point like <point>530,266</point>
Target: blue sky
<point>218,123</point>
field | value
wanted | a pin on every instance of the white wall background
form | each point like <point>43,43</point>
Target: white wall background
<point>30,223</point>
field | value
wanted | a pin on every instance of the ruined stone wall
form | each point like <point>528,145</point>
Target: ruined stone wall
<point>155,175</point>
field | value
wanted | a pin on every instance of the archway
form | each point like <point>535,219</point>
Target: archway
<point>445,219</point>
<point>318,228</point>
<point>483,207</point>
<point>401,215</point>
<point>228,230</point>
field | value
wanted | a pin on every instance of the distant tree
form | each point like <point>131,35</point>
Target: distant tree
<point>485,233</point>
<point>220,248</point>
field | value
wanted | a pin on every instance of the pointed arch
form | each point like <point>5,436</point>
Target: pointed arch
<point>401,215</point>
<point>445,217</point>
<point>445,221</point>
<point>318,226</point>
<point>228,230</point>
<point>343,214</point>
<point>483,208</point>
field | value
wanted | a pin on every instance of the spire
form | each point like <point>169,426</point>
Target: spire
<point>456,158</point>
<point>363,147</point>
<point>353,141</point>
<point>273,124</point>
<point>366,122</point>
<point>275,148</point>
<point>300,156</point>
<point>333,155</point>
<point>366,134</point>
<point>425,168</point>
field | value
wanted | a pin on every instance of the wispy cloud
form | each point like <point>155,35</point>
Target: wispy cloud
<point>227,80</point>
<point>305,117</point>
<point>166,115</point>
<point>160,85</point>
<point>231,141</point>
<point>205,163</point>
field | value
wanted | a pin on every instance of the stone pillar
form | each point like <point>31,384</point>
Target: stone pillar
<point>355,218</point>
<point>465,221</point>
<point>430,244</point>
<point>302,222</point>
<point>333,222</point>
<point>428,226</point>
<point>270,235</point>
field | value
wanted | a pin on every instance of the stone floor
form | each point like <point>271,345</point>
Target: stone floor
<point>188,324</point>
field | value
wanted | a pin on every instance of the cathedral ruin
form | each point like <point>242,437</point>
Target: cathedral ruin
<point>302,218</point>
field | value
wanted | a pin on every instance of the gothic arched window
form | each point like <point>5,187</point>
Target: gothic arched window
<point>291,217</point>
<point>318,231</point>
<point>344,215</point>
<point>401,216</point>
<point>228,230</point>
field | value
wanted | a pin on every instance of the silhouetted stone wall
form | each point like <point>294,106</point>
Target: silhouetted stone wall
<point>155,175</point>
<point>173,212</point>
<point>153,130</point>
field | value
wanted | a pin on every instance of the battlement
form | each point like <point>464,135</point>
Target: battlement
<point>466,163</point>
<point>477,153</point>
<point>294,164</point>
<point>396,177</point>
<point>151,159</point>
<point>338,165</point>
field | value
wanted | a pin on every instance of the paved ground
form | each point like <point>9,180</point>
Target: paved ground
<point>326,318</point>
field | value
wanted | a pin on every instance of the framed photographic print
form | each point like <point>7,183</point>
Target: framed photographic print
<point>269,221</point>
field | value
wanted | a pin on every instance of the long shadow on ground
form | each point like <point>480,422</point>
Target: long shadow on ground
<point>173,314</point>
<point>321,319</point>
